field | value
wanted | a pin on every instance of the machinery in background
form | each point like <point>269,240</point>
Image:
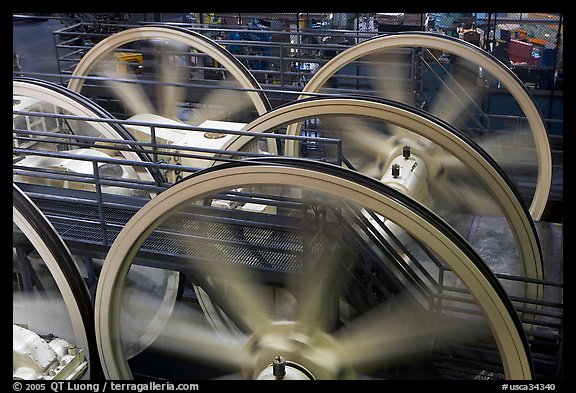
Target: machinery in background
<point>45,358</point>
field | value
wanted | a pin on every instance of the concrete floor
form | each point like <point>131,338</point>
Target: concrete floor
<point>33,42</point>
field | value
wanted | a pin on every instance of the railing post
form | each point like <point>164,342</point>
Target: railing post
<point>100,202</point>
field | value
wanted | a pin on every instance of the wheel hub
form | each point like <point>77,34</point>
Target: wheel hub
<point>287,350</point>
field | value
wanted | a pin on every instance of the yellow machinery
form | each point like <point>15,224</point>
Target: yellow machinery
<point>129,62</point>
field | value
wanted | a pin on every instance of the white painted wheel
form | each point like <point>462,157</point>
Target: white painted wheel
<point>323,354</point>
<point>185,41</point>
<point>47,97</point>
<point>424,125</point>
<point>386,45</point>
<point>161,95</point>
<point>42,236</point>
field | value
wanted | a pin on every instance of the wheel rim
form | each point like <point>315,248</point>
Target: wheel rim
<point>190,39</point>
<point>44,238</point>
<point>77,105</point>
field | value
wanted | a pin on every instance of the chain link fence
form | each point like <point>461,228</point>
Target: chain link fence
<point>520,40</point>
<point>530,44</point>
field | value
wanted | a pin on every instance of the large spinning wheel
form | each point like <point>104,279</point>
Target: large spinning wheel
<point>32,303</point>
<point>171,45</point>
<point>322,332</point>
<point>389,61</point>
<point>333,226</point>
<point>185,79</point>
<point>437,149</point>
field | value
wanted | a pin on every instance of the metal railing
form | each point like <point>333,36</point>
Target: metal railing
<point>284,57</point>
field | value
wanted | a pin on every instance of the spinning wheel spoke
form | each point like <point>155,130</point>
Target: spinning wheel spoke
<point>172,73</point>
<point>183,78</point>
<point>173,57</point>
<point>303,344</point>
<point>453,102</point>
<point>363,143</point>
<point>319,289</point>
<point>187,335</point>
<point>399,329</point>
<point>383,56</point>
<point>125,87</point>
<point>224,100</point>
<point>245,292</point>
